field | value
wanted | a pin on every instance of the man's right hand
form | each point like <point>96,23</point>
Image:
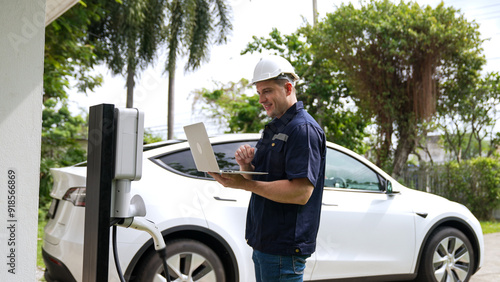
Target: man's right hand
<point>244,156</point>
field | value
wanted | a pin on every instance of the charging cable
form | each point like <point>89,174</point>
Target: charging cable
<point>115,256</point>
<point>143,224</point>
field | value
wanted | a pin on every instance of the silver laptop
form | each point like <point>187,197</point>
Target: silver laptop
<point>203,153</point>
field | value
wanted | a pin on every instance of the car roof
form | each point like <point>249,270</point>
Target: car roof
<point>160,144</point>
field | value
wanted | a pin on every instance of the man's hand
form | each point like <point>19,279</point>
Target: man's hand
<point>230,180</point>
<point>244,156</point>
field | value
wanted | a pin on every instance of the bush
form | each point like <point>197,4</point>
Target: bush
<point>474,183</point>
<point>484,194</point>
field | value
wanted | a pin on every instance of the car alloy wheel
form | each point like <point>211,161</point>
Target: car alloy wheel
<point>188,261</point>
<point>448,257</point>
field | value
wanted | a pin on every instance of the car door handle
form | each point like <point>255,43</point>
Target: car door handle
<point>222,199</point>
<point>330,205</point>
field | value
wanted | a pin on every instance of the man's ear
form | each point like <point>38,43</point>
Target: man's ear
<point>288,88</point>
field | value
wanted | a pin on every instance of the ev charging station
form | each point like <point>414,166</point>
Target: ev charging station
<point>114,161</point>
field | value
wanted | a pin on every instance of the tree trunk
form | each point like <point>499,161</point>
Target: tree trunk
<point>315,12</point>
<point>171,93</point>
<point>130,86</point>
<point>383,149</point>
<point>406,144</point>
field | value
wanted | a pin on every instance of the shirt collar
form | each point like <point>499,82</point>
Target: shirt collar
<point>278,124</point>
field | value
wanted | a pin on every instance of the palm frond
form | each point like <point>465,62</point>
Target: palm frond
<point>224,26</point>
<point>200,32</point>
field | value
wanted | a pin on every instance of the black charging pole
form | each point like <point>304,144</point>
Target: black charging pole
<point>100,164</point>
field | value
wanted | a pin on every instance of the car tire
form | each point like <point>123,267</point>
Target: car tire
<point>188,260</point>
<point>448,256</point>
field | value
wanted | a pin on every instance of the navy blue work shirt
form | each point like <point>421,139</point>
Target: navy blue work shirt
<point>293,146</point>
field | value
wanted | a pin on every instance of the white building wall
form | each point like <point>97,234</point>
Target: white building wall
<point>22,27</point>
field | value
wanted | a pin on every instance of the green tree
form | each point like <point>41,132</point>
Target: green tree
<point>394,59</point>
<point>469,116</point>
<point>325,96</point>
<point>129,33</point>
<point>69,56</point>
<point>193,26</point>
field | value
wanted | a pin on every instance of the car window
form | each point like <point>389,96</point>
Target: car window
<point>182,161</point>
<point>344,171</point>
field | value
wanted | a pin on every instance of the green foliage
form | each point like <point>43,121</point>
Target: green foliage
<point>68,53</point>
<point>232,107</point>
<point>465,146</point>
<point>474,183</point>
<point>468,118</point>
<point>394,58</point>
<point>60,134</point>
<point>325,96</point>
<point>151,137</point>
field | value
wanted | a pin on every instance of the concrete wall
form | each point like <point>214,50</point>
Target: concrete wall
<point>22,27</point>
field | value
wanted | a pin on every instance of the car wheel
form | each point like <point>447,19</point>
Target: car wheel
<point>188,260</point>
<point>448,256</point>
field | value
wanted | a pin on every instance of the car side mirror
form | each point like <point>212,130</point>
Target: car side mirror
<point>389,190</point>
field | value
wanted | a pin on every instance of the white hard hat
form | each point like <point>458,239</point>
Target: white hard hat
<point>273,67</point>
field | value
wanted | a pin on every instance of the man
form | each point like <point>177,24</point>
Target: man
<point>284,209</point>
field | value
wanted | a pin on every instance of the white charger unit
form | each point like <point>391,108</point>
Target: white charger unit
<point>129,139</point>
<point>129,136</point>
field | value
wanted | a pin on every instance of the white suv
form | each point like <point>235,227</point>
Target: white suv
<point>371,227</point>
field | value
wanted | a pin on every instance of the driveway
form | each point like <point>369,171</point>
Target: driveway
<point>491,266</point>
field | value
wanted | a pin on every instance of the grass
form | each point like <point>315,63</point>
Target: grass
<point>39,259</point>
<point>42,221</point>
<point>490,226</point>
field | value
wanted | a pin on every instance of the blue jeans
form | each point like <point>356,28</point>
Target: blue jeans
<point>275,268</point>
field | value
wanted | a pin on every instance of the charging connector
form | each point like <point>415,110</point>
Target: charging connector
<point>143,224</point>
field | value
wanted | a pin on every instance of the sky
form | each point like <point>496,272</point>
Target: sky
<point>250,18</point>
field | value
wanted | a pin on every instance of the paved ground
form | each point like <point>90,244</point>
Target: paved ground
<point>39,274</point>
<point>490,272</point>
